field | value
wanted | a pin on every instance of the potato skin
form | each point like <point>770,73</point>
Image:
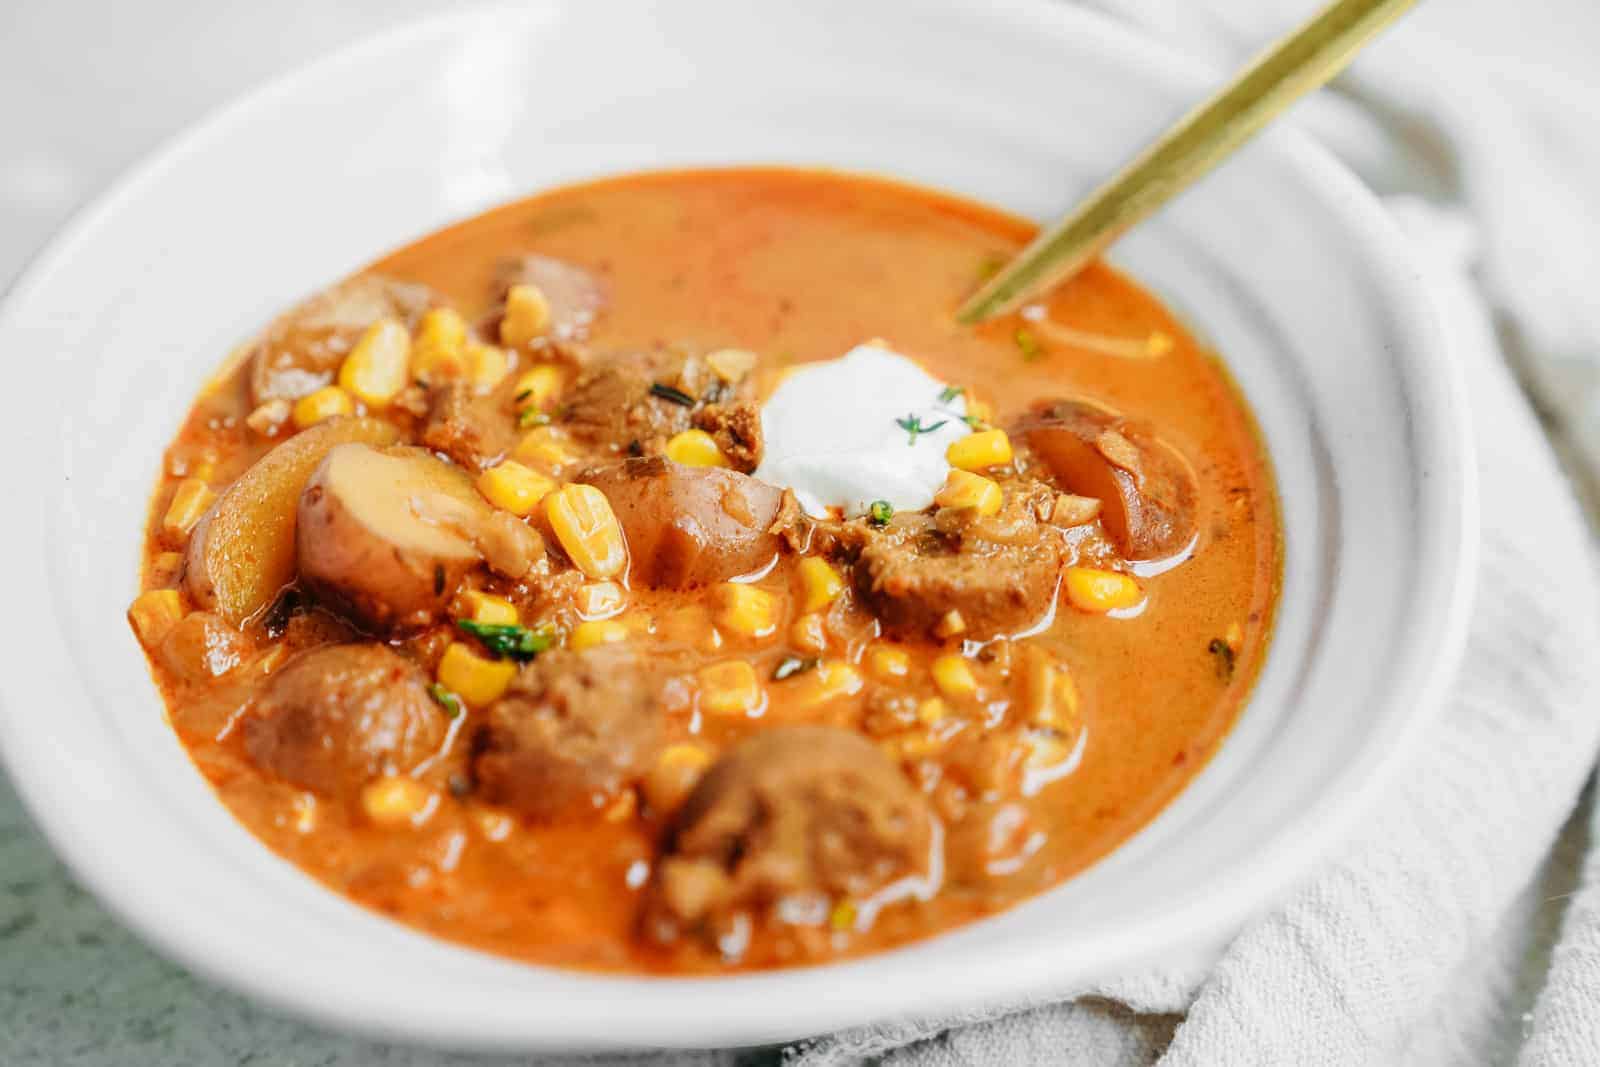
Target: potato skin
<point>1151,512</point>
<point>384,580</point>
<point>242,552</point>
<point>690,526</point>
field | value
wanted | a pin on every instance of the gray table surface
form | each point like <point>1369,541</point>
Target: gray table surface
<point>85,88</point>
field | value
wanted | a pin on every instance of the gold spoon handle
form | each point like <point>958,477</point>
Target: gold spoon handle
<point>1300,62</point>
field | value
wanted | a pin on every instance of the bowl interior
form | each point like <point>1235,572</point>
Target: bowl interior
<point>1281,260</point>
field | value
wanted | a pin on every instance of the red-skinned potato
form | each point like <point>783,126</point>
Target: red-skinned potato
<point>690,526</point>
<point>242,552</point>
<point>301,351</point>
<point>1149,500</point>
<point>386,536</point>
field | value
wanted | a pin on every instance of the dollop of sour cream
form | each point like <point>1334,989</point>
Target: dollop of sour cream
<point>870,425</point>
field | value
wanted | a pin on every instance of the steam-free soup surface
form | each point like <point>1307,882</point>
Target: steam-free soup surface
<point>462,595</point>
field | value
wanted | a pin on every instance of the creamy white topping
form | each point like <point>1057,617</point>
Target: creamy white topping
<point>870,425</point>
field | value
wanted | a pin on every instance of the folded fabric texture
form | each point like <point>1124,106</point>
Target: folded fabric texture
<point>1411,945</point>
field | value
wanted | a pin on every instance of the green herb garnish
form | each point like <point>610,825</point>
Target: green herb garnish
<point>948,394</point>
<point>445,699</point>
<point>990,265</point>
<point>509,639</point>
<point>676,396</point>
<point>974,423</point>
<point>790,666</point>
<point>1225,656</point>
<point>1029,344</point>
<point>880,512</point>
<point>532,417</point>
<point>912,424</point>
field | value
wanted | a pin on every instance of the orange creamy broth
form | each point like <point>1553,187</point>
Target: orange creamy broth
<point>797,266</point>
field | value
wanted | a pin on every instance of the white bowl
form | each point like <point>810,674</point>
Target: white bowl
<point>1282,259</point>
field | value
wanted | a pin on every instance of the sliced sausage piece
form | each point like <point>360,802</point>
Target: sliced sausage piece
<point>333,718</point>
<point>999,573</point>
<point>1146,489</point>
<point>690,526</point>
<point>574,294</point>
<point>301,351</point>
<point>797,810</point>
<point>573,730</point>
<point>386,536</point>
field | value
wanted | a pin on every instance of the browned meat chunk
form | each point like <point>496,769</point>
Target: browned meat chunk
<point>737,431</point>
<point>575,295</point>
<point>633,402</point>
<point>302,350</point>
<point>333,718</point>
<point>794,811</point>
<point>573,729</point>
<point>998,574</point>
<point>475,429</point>
<point>690,526</point>
<point>1146,489</point>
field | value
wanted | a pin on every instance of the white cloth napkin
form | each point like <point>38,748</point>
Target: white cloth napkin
<point>1413,945</point>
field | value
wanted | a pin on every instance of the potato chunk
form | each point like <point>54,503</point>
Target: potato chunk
<point>1149,500</point>
<point>690,526</point>
<point>387,536</point>
<point>242,553</point>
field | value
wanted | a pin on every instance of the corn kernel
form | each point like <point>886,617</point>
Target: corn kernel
<point>819,582</point>
<point>189,502</point>
<point>730,688</point>
<point>541,449</point>
<point>732,365</point>
<point>828,681</point>
<point>527,315</point>
<point>514,488</point>
<point>808,634</point>
<point>747,611</point>
<point>932,712</point>
<point>165,568</point>
<point>489,609</point>
<point>486,364</point>
<point>1098,591</point>
<point>153,613</point>
<point>439,351</point>
<point>1050,696</point>
<point>395,800</point>
<point>587,529</point>
<point>950,624</point>
<point>889,663</point>
<point>325,403</point>
<point>977,451</point>
<point>379,366</point>
<point>594,632</point>
<point>537,387</point>
<point>953,676</point>
<point>598,600</point>
<point>695,448</point>
<point>677,771</point>
<point>962,489</point>
<point>476,680</point>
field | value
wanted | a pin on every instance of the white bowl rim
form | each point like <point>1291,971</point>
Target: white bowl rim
<point>1452,533</point>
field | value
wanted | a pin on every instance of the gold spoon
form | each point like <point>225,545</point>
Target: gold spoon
<point>1300,62</point>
